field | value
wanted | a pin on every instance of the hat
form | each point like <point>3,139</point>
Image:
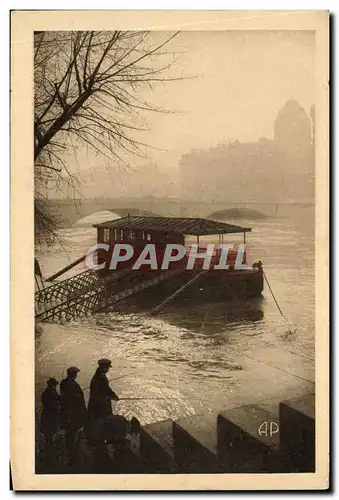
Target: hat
<point>72,369</point>
<point>105,362</point>
<point>52,381</point>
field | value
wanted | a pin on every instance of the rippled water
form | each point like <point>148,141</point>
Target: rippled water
<point>199,358</point>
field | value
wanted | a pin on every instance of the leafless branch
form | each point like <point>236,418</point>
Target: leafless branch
<point>87,86</point>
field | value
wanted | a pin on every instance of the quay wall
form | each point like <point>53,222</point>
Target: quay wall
<point>247,439</point>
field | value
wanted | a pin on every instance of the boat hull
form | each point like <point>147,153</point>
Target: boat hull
<point>212,286</point>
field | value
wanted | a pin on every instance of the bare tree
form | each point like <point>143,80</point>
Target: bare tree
<point>87,91</point>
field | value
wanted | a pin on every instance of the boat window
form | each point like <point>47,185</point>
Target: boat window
<point>148,236</point>
<point>121,234</point>
<point>106,235</point>
<point>131,235</point>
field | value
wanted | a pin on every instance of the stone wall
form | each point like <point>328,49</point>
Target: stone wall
<point>247,439</point>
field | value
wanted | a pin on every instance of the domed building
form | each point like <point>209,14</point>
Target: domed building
<point>293,129</point>
<point>282,168</point>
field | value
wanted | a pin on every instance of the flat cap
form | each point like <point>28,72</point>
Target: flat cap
<point>104,362</point>
<point>73,369</point>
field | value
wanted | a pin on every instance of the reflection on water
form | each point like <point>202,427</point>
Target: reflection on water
<point>200,358</point>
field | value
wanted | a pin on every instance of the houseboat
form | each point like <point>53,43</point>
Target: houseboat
<point>186,276</point>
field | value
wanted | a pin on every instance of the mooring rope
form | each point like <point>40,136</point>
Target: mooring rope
<point>275,300</point>
<point>288,350</point>
<point>277,368</point>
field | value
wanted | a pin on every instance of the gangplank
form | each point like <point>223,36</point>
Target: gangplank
<point>86,293</point>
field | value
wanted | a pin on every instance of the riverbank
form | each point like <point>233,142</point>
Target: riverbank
<point>246,439</point>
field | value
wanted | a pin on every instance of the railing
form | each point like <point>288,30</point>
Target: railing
<point>71,309</point>
<point>66,288</point>
<point>101,294</point>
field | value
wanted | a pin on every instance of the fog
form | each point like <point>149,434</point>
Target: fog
<point>234,85</point>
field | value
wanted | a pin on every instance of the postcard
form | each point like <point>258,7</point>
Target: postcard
<point>170,250</point>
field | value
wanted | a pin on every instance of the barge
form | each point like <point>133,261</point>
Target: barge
<point>196,274</point>
<point>152,275</point>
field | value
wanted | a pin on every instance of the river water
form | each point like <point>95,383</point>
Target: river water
<point>201,358</point>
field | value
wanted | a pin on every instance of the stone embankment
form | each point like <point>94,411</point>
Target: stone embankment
<point>245,439</point>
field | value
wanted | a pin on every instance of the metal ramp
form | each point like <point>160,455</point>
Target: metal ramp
<point>66,288</point>
<point>85,294</point>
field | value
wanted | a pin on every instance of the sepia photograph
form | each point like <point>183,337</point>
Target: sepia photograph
<point>174,232</point>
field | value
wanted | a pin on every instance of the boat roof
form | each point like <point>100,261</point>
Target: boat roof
<point>180,225</point>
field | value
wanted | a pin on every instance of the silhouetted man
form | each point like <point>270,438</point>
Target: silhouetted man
<point>72,408</point>
<point>50,400</point>
<point>101,395</point>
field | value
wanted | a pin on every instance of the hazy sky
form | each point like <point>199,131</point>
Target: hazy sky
<point>241,81</point>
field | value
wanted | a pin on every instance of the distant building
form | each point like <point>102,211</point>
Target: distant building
<point>266,170</point>
<point>293,129</point>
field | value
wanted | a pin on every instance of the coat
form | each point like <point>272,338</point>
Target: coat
<point>72,405</point>
<point>99,404</point>
<point>49,422</point>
